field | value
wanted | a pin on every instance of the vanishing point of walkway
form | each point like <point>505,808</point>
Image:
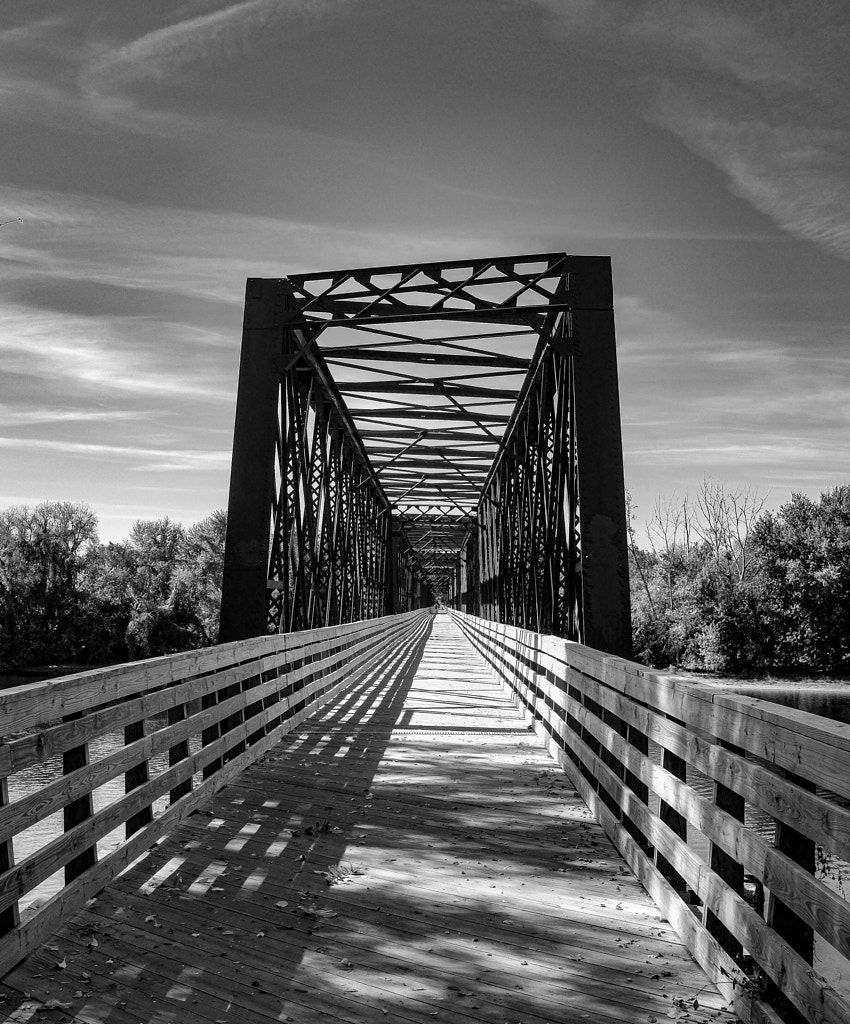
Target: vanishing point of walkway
<point>411,854</point>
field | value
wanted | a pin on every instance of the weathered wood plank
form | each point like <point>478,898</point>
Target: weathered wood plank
<point>299,702</point>
<point>573,696</point>
<point>469,881</point>
<point>24,707</point>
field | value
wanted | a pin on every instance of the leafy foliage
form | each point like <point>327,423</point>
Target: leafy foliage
<point>728,587</point>
<point>66,598</point>
<point>724,585</point>
<point>42,552</point>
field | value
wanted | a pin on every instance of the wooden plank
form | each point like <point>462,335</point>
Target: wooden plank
<point>35,869</point>
<point>10,916</point>
<point>823,820</point>
<point>730,869</point>
<point>816,904</point>
<point>76,813</point>
<point>808,901</point>
<point>459,911</point>
<point>77,782</point>
<point>818,1001</point>
<point>27,706</point>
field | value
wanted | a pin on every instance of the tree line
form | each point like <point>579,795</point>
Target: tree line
<point>726,586</point>
<point>67,598</point>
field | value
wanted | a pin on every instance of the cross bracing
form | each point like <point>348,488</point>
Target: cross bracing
<point>423,436</point>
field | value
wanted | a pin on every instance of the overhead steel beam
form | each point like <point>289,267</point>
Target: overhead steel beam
<point>345,497</point>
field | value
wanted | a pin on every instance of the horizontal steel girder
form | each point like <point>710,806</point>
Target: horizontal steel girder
<point>433,430</point>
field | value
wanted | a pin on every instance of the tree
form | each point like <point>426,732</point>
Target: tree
<point>805,550</point>
<point>697,603</point>
<point>205,570</point>
<point>161,620</point>
<point>107,579</point>
<point>42,553</point>
<point>725,522</point>
<point>66,598</point>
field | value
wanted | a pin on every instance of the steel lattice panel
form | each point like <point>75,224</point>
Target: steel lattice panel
<point>431,424</point>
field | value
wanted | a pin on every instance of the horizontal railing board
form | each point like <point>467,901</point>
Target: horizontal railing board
<point>553,678</point>
<point>21,814</point>
<point>827,822</point>
<point>814,747</point>
<point>719,967</point>
<point>818,905</point>
<point>676,689</point>
<point>20,753</point>
<point>27,706</point>
<point>329,660</point>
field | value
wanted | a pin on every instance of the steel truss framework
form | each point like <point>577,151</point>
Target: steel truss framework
<point>436,429</point>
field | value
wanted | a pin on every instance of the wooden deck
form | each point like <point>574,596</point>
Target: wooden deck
<point>412,854</point>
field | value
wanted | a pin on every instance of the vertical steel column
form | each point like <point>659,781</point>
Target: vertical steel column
<point>602,501</point>
<point>243,594</point>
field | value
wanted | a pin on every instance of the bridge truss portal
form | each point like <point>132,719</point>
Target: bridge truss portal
<point>444,430</point>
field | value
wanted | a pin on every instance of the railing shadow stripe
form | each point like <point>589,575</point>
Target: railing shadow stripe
<point>598,715</point>
<point>283,680</point>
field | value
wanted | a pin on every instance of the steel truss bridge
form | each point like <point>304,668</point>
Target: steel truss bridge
<point>430,431</point>
<point>359,808</point>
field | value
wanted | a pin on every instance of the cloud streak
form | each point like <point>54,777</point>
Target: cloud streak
<point>796,175</point>
<point>90,353</point>
<point>766,76</point>
<point>145,459</point>
<point>220,35</point>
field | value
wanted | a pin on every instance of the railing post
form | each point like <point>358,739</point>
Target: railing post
<point>137,776</point>
<point>178,753</point>
<point>678,767</point>
<point>77,810</point>
<point>10,917</point>
<point>799,935</point>
<point>252,710</point>
<point>729,869</point>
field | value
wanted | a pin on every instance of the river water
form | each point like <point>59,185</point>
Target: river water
<point>35,778</point>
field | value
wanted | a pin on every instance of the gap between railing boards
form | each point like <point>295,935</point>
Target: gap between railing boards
<point>212,712</point>
<point>677,773</point>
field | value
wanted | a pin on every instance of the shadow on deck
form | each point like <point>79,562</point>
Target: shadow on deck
<point>412,853</point>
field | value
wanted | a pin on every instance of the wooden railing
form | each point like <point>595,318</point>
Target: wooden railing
<point>210,713</point>
<point>718,802</point>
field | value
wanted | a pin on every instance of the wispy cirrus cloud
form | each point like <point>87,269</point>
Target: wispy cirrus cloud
<point>131,457</point>
<point>11,416</point>
<point>797,175</point>
<point>223,34</point>
<point>760,91</point>
<point>201,253</point>
<point>88,355</point>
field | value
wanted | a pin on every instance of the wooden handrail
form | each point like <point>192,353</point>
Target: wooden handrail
<point>212,712</point>
<point>599,713</point>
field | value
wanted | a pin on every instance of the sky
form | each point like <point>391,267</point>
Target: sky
<point>159,153</point>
